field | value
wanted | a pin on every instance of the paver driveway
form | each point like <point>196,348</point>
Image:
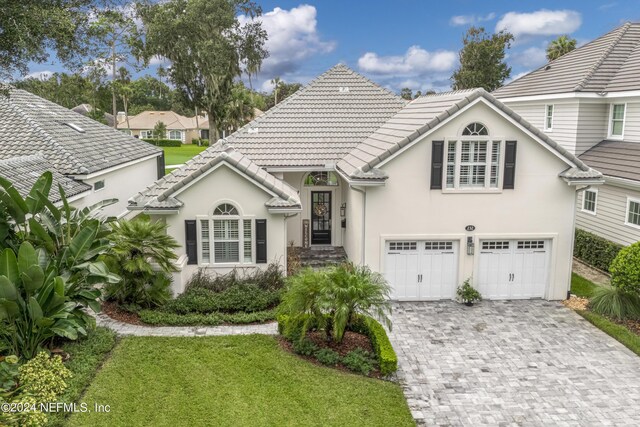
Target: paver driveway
<point>512,363</point>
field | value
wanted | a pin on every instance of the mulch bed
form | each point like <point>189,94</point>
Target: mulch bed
<point>577,303</point>
<point>115,312</point>
<point>632,325</point>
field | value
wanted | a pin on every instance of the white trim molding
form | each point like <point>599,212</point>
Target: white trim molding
<point>584,200</point>
<point>627,211</point>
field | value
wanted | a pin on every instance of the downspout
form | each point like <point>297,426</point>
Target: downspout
<point>364,220</point>
<point>573,228</point>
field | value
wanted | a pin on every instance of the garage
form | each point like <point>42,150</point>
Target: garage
<point>513,269</point>
<point>421,269</point>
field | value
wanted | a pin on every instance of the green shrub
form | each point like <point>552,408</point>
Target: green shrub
<point>616,303</point>
<point>328,357</point>
<point>270,278</point>
<point>8,373</point>
<point>238,298</point>
<point>382,347</point>
<point>305,347</point>
<point>625,269</point>
<point>594,250</point>
<point>200,142</point>
<point>159,317</point>
<point>164,142</point>
<point>467,293</point>
<point>360,361</point>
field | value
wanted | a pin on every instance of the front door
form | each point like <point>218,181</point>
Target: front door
<point>321,217</point>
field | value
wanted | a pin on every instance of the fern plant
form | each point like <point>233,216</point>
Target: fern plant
<point>616,303</point>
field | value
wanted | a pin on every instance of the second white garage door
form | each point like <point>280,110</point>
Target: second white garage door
<point>422,270</point>
<point>513,269</point>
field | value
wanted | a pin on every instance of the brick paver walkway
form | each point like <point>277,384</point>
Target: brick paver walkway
<point>520,363</point>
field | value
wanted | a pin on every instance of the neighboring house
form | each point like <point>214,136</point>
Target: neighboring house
<point>103,162</point>
<point>428,193</point>
<point>86,109</point>
<point>589,102</point>
<point>179,128</point>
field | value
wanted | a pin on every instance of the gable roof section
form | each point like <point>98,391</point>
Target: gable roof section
<point>320,123</point>
<point>24,171</point>
<point>606,64</point>
<point>162,194</point>
<point>424,114</point>
<point>31,124</point>
<point>618,159</point>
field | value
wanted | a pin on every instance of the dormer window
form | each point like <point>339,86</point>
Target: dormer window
<point>616,125</point>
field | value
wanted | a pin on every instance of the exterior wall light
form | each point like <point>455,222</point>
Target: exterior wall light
<point>470,246</point>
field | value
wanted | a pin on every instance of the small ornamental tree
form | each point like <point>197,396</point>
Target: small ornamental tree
<point>160,131</point>
<point>625,269</point>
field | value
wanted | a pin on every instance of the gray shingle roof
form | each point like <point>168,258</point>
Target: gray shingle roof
<point>615,158</point>
<point>160,195</point>
<point>30,124</point>
<point>23,172</point>
<point>320,123</point>
<point>606,64</point>
<point>422,115</point>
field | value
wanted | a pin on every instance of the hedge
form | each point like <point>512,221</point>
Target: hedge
<point>365,325</point>
<point>157,317</point>
<point>164,142</point>
<point>595,250</point>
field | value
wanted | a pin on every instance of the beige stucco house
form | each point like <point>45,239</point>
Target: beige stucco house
<point>588,101</point>
<point>429,193</point>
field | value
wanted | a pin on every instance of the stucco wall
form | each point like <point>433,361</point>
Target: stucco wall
<point>541,205</point>
<point>120,184</point>
<point>224,184</point>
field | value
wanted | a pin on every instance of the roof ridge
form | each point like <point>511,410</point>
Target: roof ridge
<point>591,71</point>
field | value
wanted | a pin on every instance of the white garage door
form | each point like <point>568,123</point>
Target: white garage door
<point>513,269</point>
<point>422,270</point>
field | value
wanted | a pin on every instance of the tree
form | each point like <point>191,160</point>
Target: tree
<point>124,90</point>
<point>162,74</point>
<point>560,46</point>
<point>160,130</point>
<point>207,46</point>
<point>276,82</point>
<point>482,60</point>
<point>239,109</point>
<point>284,91</point>
<point>406,93</point>
<point>114,39</point>
<point>33,29</point>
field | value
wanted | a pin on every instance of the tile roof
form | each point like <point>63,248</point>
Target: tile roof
<point>173,120</point>
<point>422,115</point>
<point>86,109</point>
<point>320,123</point>
<point>160,195</point>
<point>607,64</point>
<point>618,159</point>
<point>30,124</point>
<point>23,172</point>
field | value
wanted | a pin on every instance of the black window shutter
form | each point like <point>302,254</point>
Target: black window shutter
<point>261,241</point>
<point>191,239</point>
<point>437,157</point>
<point>509,165</point>
<point>160,163</point>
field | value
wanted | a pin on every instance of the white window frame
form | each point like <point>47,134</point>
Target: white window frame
<point>487,188</point>
<point>548,128</point>
<point>175,139</point>
<point>628,210</point>
<point>595,203</point>
<point>146,134</point>
<point>624,120</point>
<point>241,217</point>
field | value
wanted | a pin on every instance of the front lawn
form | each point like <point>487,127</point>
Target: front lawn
<point>179,155</point>
<point>234,380</point>
<point>582,287</point>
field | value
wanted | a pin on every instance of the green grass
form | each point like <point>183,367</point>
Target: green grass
<point>619,332</point>
<point>582,287</point>
<point>179,155</point>
<point>233,380</point>
<point>86,357</point>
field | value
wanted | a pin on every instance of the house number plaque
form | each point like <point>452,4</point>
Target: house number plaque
<point>470,227</point>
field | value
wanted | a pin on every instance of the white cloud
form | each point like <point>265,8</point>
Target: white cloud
<point>460,20</point>
<point>292,38</point>
<point>40,75</point>
<point>416,61</point>
<point>158,60</point>
<point>531,57</point>
<point>543,22</point>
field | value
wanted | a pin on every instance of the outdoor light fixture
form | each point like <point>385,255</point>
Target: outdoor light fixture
<point>470,245</point>
<point>343,209</point>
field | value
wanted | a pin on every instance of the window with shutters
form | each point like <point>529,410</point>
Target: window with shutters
<point>225,237</point>
<point>473,160</point>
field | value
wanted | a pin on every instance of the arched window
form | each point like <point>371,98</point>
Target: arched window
<point>475,129</point>
<point>321,178</point>
<point>175,134</point>
<point>232,239</point>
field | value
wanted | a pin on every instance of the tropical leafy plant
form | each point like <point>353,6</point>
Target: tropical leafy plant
<point>467,293</point>
<point>138,246</point>
<point>615,302</point>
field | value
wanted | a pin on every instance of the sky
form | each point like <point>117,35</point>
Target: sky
<point>413,43</point>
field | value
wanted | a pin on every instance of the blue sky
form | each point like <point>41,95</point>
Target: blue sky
<point>414,43</point>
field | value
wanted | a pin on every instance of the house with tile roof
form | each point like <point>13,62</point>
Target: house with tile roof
<point>588,101</point>
<point>428,193</point>
<point>179,127</point>
<point>92,161</point>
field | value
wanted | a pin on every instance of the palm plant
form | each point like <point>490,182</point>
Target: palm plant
<point>137,247</point>
<point>560,46</point>
<point>616,303</point>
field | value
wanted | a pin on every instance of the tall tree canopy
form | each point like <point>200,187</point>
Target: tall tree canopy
<point>207,47</point>
<point>482,61</point>
<point>31,29</point>
<point>560,46</point>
